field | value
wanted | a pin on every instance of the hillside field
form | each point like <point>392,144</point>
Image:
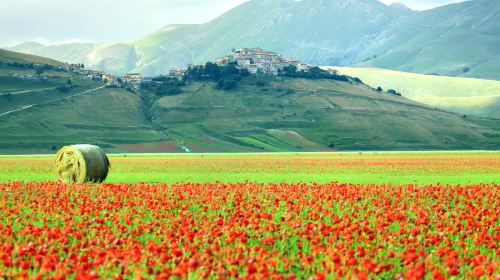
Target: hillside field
<point>457,94</point>
<point>40,113</point>
<point>365,168</point>
<point>272,114</point>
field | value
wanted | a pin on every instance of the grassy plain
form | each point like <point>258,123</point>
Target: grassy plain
<point>354,167</point>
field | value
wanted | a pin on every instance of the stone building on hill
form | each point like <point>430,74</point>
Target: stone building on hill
<point>259,61</point>
<point>133,79</point>
<point>177,73</point>
<point>254,60</point>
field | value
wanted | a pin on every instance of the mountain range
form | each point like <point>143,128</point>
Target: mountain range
<point>460,39</point>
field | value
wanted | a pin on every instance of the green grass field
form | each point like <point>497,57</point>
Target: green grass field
<point>366,167</point>
<point>462,95</point>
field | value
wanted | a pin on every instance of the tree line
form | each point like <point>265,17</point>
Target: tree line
<point>227,77</point>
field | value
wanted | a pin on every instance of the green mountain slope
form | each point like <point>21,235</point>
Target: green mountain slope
<point>260,114</point>
<point>7,57</point>
<point>117,58</point>
<point>70,52</point>
<point>461,95</point>
<point>456,40</point>
<point>321,31</point>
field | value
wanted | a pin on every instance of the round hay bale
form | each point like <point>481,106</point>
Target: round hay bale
<point>81,164</point>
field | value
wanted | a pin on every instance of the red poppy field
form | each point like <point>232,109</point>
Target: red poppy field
<point>53,230</point>
<point>251,230</point>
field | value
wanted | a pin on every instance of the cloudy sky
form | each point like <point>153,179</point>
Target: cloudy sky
<point>58,21</point>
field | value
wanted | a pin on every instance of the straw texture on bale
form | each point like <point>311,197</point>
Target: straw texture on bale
<point>81,164</point>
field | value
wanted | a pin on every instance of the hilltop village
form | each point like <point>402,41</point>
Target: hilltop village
<point>255,61</point>
<point>226,71</point>
<point>259,61</point>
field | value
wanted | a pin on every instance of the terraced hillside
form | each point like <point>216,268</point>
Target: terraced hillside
<point>284,114</point>
<point>39,113</point>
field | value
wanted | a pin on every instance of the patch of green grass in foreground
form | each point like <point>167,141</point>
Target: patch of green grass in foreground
<point>363,168</point>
